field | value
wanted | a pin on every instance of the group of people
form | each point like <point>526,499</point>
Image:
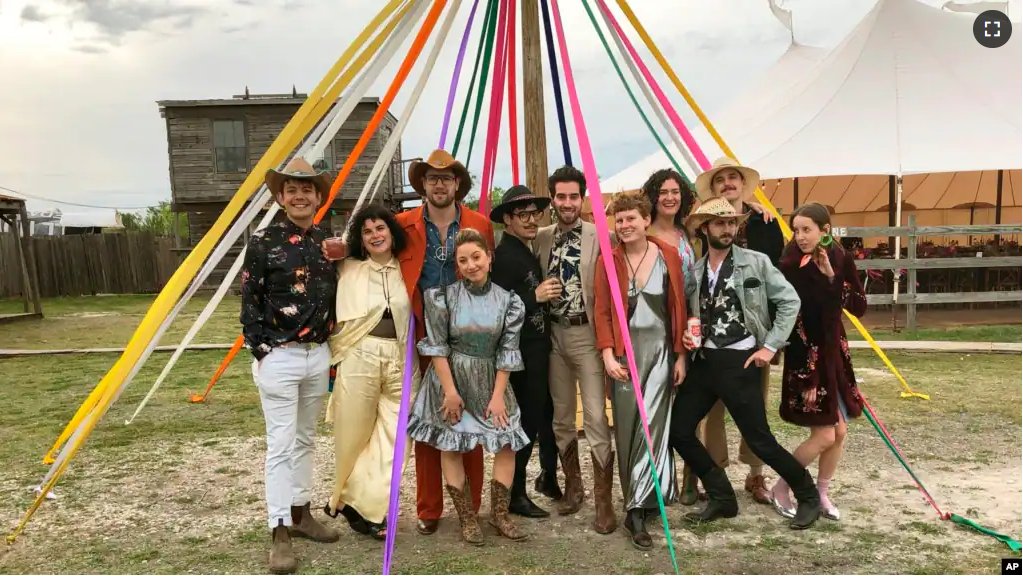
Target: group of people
<point>508,337</point>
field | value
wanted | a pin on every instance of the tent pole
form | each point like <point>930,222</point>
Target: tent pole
<point>998,206</point>
<point>898,245</point>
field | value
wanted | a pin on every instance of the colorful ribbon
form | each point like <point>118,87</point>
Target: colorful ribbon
<point>556,81</point>
<point>488,40</point>
<point>393,506</point>
<point>604,238</point>
<point>513,118</point>
<point>455,73</point>
<point>196,398</point>
<point>496,102</point>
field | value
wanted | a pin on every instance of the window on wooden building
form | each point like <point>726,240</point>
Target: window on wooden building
<point>326,161</point>
<point>229,146</point>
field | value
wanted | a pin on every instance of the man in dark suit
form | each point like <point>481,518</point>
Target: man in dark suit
<point>517,269</point>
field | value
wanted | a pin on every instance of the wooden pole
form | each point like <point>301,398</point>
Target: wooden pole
<point>795,193</point>
<point>998,206</point>
<point>911,272</point>
<point>532,102</point>
<point>31,260</point>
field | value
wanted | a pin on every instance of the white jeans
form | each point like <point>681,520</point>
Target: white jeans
<point>292,384</point>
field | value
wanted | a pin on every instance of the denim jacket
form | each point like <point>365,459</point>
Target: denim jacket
<point>761,283</point>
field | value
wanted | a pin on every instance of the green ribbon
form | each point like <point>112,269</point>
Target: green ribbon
<point>486,49</point>
<point>632,96</point>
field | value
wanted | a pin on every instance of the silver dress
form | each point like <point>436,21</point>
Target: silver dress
<point>477,329</point>
<point>650,329</point>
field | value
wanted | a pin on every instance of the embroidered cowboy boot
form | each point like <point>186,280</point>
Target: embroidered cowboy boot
<point>574,493</point>
<point>462,500</point>
<point>499,497</point>
<point>603,480</point>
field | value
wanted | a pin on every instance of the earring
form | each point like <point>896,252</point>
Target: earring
<point>826,240</point>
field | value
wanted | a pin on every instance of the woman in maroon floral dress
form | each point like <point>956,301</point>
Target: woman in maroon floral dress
<point>818,386</point>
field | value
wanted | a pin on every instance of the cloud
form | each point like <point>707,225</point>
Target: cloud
<point>89,49</point>
<point>31,13</point>
<point>116,18</point>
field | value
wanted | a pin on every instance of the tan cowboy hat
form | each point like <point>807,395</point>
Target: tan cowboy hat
<point>440,160</point>
<point>710,210</point>
<point>298,169</point>
<point>704,181</point>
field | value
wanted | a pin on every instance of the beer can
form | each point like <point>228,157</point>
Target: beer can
<point>694,332</point>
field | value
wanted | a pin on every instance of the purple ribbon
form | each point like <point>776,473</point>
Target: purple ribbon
<point>399,444</point>
<point>455,74</point>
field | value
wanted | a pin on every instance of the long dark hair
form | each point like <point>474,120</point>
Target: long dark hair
<point>821,216</point>
<point>374,211</point>
<point>652,187</point>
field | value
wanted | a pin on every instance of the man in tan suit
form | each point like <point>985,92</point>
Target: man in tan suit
<point>568,250</point>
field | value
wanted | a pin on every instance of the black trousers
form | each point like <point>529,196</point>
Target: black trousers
<point>719,374</point>
<point>534,397</point>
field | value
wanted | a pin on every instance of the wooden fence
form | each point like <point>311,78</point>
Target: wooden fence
<point>911,298</point>
<point>87,264</point>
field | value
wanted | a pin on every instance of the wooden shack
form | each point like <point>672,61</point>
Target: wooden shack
<point>212,145</point>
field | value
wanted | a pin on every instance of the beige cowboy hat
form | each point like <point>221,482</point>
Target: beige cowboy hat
<point>440,160</point>
<point>704,181</point>
<point>710,210</point>
<point>298,169</point>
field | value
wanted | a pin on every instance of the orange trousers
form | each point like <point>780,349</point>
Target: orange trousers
<point>430,480</point>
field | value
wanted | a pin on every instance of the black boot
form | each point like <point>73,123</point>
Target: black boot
<point>520,504</point>
<point>635,525</point>
<point>547,484</point>
<point>809,502</point>
<point>721,502</point>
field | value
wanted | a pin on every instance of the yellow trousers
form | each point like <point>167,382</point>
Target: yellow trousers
<point>364,409</point>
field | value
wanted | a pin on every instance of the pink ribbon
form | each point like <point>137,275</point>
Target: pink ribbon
<point>496,103</point>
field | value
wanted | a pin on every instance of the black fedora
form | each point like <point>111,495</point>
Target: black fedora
<point>516,196</point>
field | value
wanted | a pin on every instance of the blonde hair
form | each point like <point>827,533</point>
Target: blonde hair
<point>631,200</point>
<point>471,236</point>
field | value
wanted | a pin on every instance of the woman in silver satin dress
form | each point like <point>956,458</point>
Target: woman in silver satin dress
<point>650,281</point>
<point>472,335</point>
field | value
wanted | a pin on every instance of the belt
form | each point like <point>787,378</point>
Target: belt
<point>566,321</point>
<point>302,345</point>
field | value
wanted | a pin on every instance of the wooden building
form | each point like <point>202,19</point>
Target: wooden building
<point>212,145</point>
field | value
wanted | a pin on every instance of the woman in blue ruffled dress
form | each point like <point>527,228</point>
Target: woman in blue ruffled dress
<point>472,336</point>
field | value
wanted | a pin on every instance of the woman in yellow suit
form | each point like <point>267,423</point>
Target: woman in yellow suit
<point>368,353</point>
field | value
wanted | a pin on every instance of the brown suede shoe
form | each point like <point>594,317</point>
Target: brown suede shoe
<point>603,480</point>
<point>282,557</point>
<point>303,525</point>
<point>499,497</point>
<point>757,486</point>
<point>574,493</point>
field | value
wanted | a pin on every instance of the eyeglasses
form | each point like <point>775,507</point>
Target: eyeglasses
<point>433,179</point>
<point>527,215</point>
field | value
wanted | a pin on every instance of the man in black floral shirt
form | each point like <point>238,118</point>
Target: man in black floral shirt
<point>288,295</point>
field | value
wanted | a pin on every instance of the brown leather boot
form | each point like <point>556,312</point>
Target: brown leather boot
<point>574,493</point>
<point>303,525</point>
<point>603,480</point>
<point>499,497</point>
<point>462,500</point>
<point>282,557</point>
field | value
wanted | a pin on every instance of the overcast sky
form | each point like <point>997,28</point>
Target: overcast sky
<point>78,115</point>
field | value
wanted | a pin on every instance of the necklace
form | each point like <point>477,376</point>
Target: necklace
<point>387,294</point>
<point>632,271</point>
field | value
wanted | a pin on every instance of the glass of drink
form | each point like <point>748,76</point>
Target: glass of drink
<point>334,248</point>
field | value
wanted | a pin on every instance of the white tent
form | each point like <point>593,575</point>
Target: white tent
<point>909,90</point>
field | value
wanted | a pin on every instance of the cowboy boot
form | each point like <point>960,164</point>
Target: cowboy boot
<point>574,493</point>
<point>303,525</point>
<point>721,502</point>
<point>462,499</point>
<point>499,497</point>
<point>603,480</point>
<point>691,492</point>
<point>282,557</point>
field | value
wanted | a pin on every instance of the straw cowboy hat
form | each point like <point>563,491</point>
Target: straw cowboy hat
<point>710,210</point>
<point>440,160</point>
<point>704,181</point>
<point>298,169</point>
<point>517,195</point>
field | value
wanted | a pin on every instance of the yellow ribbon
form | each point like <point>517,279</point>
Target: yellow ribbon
<point>627,10</point>
<point>319,100</point>
<point>322,105</point>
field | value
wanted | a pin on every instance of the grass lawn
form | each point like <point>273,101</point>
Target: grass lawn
<point>181,489</point>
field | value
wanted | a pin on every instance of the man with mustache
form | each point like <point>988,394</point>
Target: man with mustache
<point>730,290</point>
<point>288,296</point>
<point>516,268</point>
<point>568,250</point>
<point>736,184</point>
<point>429,261</point>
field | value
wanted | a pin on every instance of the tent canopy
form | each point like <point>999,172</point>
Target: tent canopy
<point>908,91</point>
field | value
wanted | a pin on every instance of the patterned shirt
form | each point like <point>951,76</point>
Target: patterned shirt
<point>439,266</point>
<point>288,288</point>
<point>565,264</point>
<point>721,315</point>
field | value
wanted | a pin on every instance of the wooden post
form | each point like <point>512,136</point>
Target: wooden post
<point>892,200</point>
<point>31,260</point>
<point>795,194</point>
<point>998,206</point>
<point>911,275</point>
<point>532,102</point>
